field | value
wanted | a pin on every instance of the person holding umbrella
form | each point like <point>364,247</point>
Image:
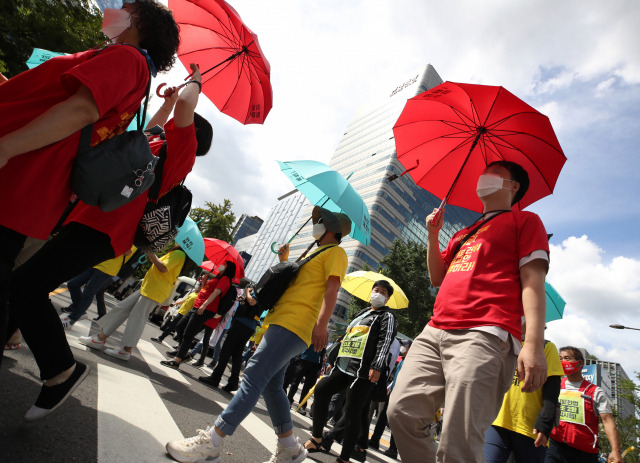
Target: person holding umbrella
<point>299,318</point>
<point>490,274</point>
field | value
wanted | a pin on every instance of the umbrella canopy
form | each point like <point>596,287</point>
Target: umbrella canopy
<point>190,240</point>
<point>218,251</point>
<point>39,56</point>
<point>361,283</point>
<point>325,187</point>
<point>446,136</point>
<point>235,72</point>
<point>555,303</point>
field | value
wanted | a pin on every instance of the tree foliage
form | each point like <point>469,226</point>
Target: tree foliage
<point>628,427</point>
<point>406,264</point>
<point>67,26</point>
<point>215,220</point>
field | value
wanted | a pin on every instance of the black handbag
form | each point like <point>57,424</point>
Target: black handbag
<point>116,171</point>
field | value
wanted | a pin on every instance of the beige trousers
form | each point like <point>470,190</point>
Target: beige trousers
<point>469,371</point>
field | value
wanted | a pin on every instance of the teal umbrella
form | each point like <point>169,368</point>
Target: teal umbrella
<point>190,240</point>
<point>40,55</point>
<point>325,187</point>
<point>555,303</point>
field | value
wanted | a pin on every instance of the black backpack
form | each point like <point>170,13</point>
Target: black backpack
<point>276,280</point>
<point>228,300</point>
<point>246,310</point>
<point>162,217</point>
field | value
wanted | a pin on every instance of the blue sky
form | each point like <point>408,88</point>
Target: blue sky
<point>577,61</point>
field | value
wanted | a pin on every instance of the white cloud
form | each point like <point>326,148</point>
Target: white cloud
<point>604,88</point>
<point>599,291</point>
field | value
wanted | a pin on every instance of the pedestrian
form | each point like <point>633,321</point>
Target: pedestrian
<point>93,280</point>
<point>213,337</point>
<point>135,309</point>
<point>185,304</point>
<point>526,419</point>
<point>206,308</point>
<point>299,318</point>
<point>42,112</point>
<point>362,361</point>
<point>489,275</point>
<point>575,438</point>
<point>242,328</point>
<point>308,368</point>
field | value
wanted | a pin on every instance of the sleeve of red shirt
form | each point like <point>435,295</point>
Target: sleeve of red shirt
<point>110,76</point>
<point>532,235</point>
<point>181,154</point>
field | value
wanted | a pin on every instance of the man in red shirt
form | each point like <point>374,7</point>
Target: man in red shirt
<point>489,275</point>
<point>42,112</point>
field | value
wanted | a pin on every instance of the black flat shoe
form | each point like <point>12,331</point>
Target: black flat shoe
<point>230,388</point>
<point>172,353</point>
<point>170,364</point>
<point>209,381</point>
<point>51,397</point>
<point>158,340</point>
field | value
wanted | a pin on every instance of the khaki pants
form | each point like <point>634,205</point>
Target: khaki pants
<point>468,370</point>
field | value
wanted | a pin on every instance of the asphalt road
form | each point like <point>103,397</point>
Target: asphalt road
<point>127,411</point>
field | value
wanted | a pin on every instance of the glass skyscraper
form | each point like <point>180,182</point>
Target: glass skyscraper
<point>398,209</point>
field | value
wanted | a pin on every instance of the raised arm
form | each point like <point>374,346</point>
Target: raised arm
<point>188,100</point>
<point>435,262</point>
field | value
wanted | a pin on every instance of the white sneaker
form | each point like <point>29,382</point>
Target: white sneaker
<point>289,454</point>
<point>118,353</point>
<point>66,321</point>
<point>199,448</point>
<point>92,341</point>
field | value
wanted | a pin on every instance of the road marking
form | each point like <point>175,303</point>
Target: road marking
<point>256,427</point>
<point>58,291</point>
<point>133,422</point>
<point>153,358</point>
<point>79,328</point>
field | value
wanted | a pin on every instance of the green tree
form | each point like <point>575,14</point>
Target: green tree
<point>406,264</point>
<point>628,427</point>
<point>215,220</point>
<point>67,26</point>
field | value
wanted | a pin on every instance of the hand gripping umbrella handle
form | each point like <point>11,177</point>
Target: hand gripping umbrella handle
<point>275,243</point>
<point>165,94</point>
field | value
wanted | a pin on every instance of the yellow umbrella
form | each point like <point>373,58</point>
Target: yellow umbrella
<point>309,394</point>
<point>361,283</point>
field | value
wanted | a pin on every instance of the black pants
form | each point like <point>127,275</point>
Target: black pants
<point>182,324</point>
<point>559,452</point>
<point>73,250</point>
<point>102,308</point>
<point>308,371</point>
<point>194,325</point>
<point>172,326</point>
<point>381,423</point>
<point>206,337</point>
<point>12,243</point>
<point>233,345</point>
<point>358,395</point>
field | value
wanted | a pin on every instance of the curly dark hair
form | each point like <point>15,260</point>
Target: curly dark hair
<point>159,33</point>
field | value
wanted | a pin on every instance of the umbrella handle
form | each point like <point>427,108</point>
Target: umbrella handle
<point>440,211</point>
<point>275,243</point>
<point>164,95</point>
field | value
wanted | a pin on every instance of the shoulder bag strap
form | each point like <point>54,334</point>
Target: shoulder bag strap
<point>304,261</point>
<point>472,232</point>
<point>154,191</point>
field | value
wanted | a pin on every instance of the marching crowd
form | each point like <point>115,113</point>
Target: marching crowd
<point>490,279</point>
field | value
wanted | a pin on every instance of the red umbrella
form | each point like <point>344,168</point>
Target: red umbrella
<point>218,251</point>
<point>235,72</point>
<point>447,136</point>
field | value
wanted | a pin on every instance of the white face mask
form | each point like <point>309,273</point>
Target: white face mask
<point>115,22</point>
<point>221,269</point>
<point>489,184</point>
<point>377,299</point>
<point>318,230</point>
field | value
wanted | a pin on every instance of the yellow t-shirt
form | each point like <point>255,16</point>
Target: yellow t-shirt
<point>298,308</point>
<point>113,266</point>
<point>520,409</point>
<point>187,305</point>
<point>157,285</point>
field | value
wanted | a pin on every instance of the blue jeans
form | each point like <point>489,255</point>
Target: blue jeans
<point>500,442</point>
<point>93,281</point>
<point>264,375</point>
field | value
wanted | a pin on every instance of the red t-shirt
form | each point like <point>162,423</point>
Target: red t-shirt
<point>222,283</point>
<point>482,284</point>
<point>35,187</point>
<point>121,224</point>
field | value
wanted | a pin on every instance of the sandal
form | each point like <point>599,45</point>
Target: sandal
<point>317,446</point>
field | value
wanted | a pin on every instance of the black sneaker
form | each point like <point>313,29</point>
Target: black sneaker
<point>208,380</point>
<point>67,309</point>
<point>170,364</point>
<point>302,411</point>
<point>198,364</point>
<point>230,388</point>
<point>172,353</point>
<point>392,453</point>
<point>374,444</point>
<point>358,454</point>
<point>51,397</point>
<point>158,340</point>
